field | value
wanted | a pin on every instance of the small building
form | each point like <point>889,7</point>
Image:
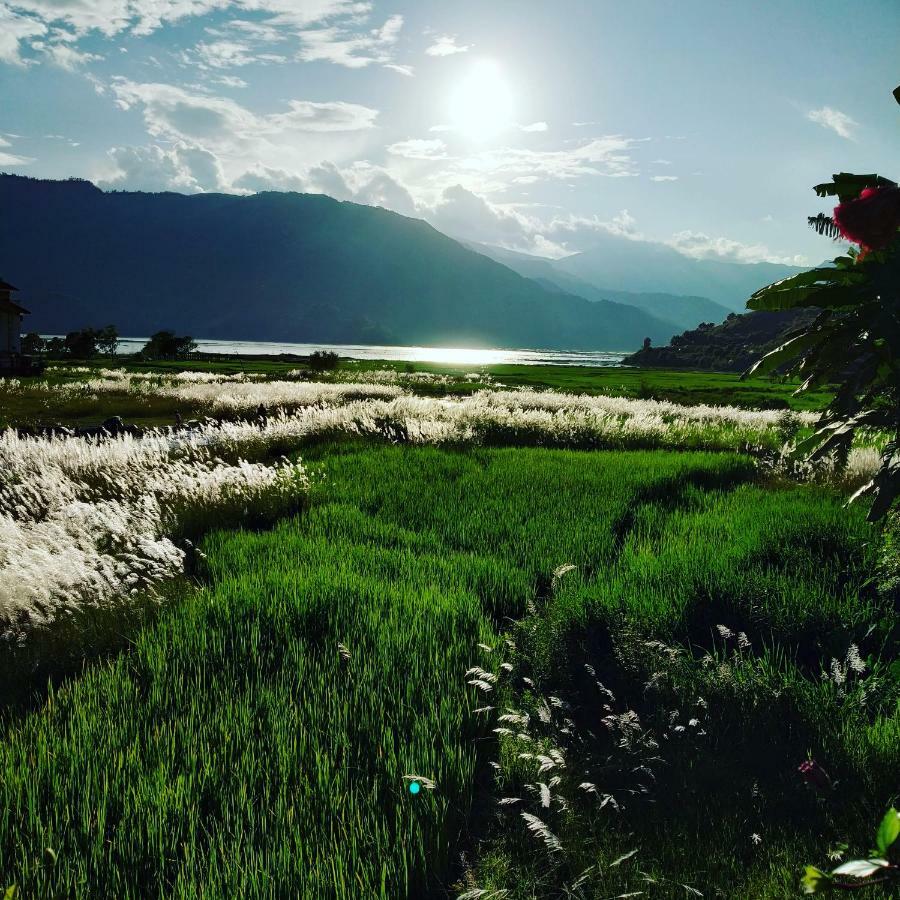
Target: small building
<point>11,314</point>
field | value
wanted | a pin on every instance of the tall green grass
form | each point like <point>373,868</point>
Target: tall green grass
<point>254,740</point>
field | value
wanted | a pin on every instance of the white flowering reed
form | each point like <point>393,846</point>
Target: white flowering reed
<point>90,523</point>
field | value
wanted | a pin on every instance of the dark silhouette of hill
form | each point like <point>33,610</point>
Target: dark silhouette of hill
<point>278,266</point>
<point>680,310</point>
<point>732,346</point>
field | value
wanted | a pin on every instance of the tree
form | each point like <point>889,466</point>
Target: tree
<point>323,360</point>
<point>854,341</point>
<point>167,345</point>
<point>81,344</point>
<point>56,347</point>
<point>647,343</point>
<point>108,340</point>
<point>33,343</point>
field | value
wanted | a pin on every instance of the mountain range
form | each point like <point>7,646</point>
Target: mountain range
<point>279,266</point>
<point>614,260</point>
<point>307,268</point>
<point>678,310</point>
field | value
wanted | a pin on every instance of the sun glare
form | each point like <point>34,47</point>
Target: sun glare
<point>481,103</point>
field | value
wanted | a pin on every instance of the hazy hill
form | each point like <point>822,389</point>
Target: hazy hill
<point>732,346</point>
<point>680,310</point>
<point>644,266</point>
<point>278,266</point>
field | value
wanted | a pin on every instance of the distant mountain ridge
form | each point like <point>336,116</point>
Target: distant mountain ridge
<point>646,266</point>
<point>279,266</point>
<point>679,310</point>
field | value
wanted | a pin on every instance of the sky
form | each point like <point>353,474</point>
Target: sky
<point>536,126</point>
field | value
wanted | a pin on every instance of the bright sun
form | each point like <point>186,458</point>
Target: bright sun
<point>481,103</point>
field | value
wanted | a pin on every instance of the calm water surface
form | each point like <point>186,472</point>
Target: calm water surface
<point>452,356</point>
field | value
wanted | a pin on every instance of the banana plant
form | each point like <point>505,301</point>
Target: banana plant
<point>853,344</point>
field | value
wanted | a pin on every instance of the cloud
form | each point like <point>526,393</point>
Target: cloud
<point>110,17</point>
<point>419,149</point>
<point>174,113</point>
<point>355,51</point>
<point>337,40</point>
<point>231,81</point>
<point>664,178</point>
<point>64,56</point>
<point>362,183</point>
<point>698,245</point>
<point>465,215</point>
<point>534,126</point>
<point>16,30</point>
<point>828,117</point>
<point>184,167</point>
<point>580,228</point>
<point>227,54</point>
<point>445,45</point>
<point>10,159</point>
<point>324,178</point>
<point>263,178</point>
<point>409,71</point>
<point>13,159</point>
<point>493,170</point>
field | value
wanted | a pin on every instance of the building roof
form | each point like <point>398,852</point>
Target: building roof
<point>6,286</point>
<point>7,306</point>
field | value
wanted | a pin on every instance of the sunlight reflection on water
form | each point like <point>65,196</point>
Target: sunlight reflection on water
<point>448,355</point>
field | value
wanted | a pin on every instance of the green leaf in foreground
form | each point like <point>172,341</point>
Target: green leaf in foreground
<point>888,830</point>
<point>815,881</point>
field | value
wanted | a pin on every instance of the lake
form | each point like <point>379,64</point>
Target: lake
<point>449,355</point>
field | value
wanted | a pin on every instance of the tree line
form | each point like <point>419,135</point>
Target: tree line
<point>88,343</point>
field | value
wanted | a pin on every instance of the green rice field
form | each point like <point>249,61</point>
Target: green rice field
<point>257,737</point>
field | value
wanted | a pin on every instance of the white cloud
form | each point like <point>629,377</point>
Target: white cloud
<point>263,178</point>
<point>382,189</point>
<point>579,228</point>
<point>662,162</point>
<point>16,30</point>
<point>355,51</point>
<point>173,113</point>
<point>362,183</point>
<point>828,117</point>
<point>324,178</point>
<point>111,17</point>
<point>534,126</point>
<point>463,214</point>
<point>226,54</point>
<point>698,245</point>
<point>338,39</point>
<point>184,168</point>
<point>13,159</point>
<point>664,178</point>
<point>409,71</point>
<point>419,149</point>
<point>66,57</point>
<point>493,170</point>
<point>445,45</point>
<point>10,159</point>
<point>231,81</point>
